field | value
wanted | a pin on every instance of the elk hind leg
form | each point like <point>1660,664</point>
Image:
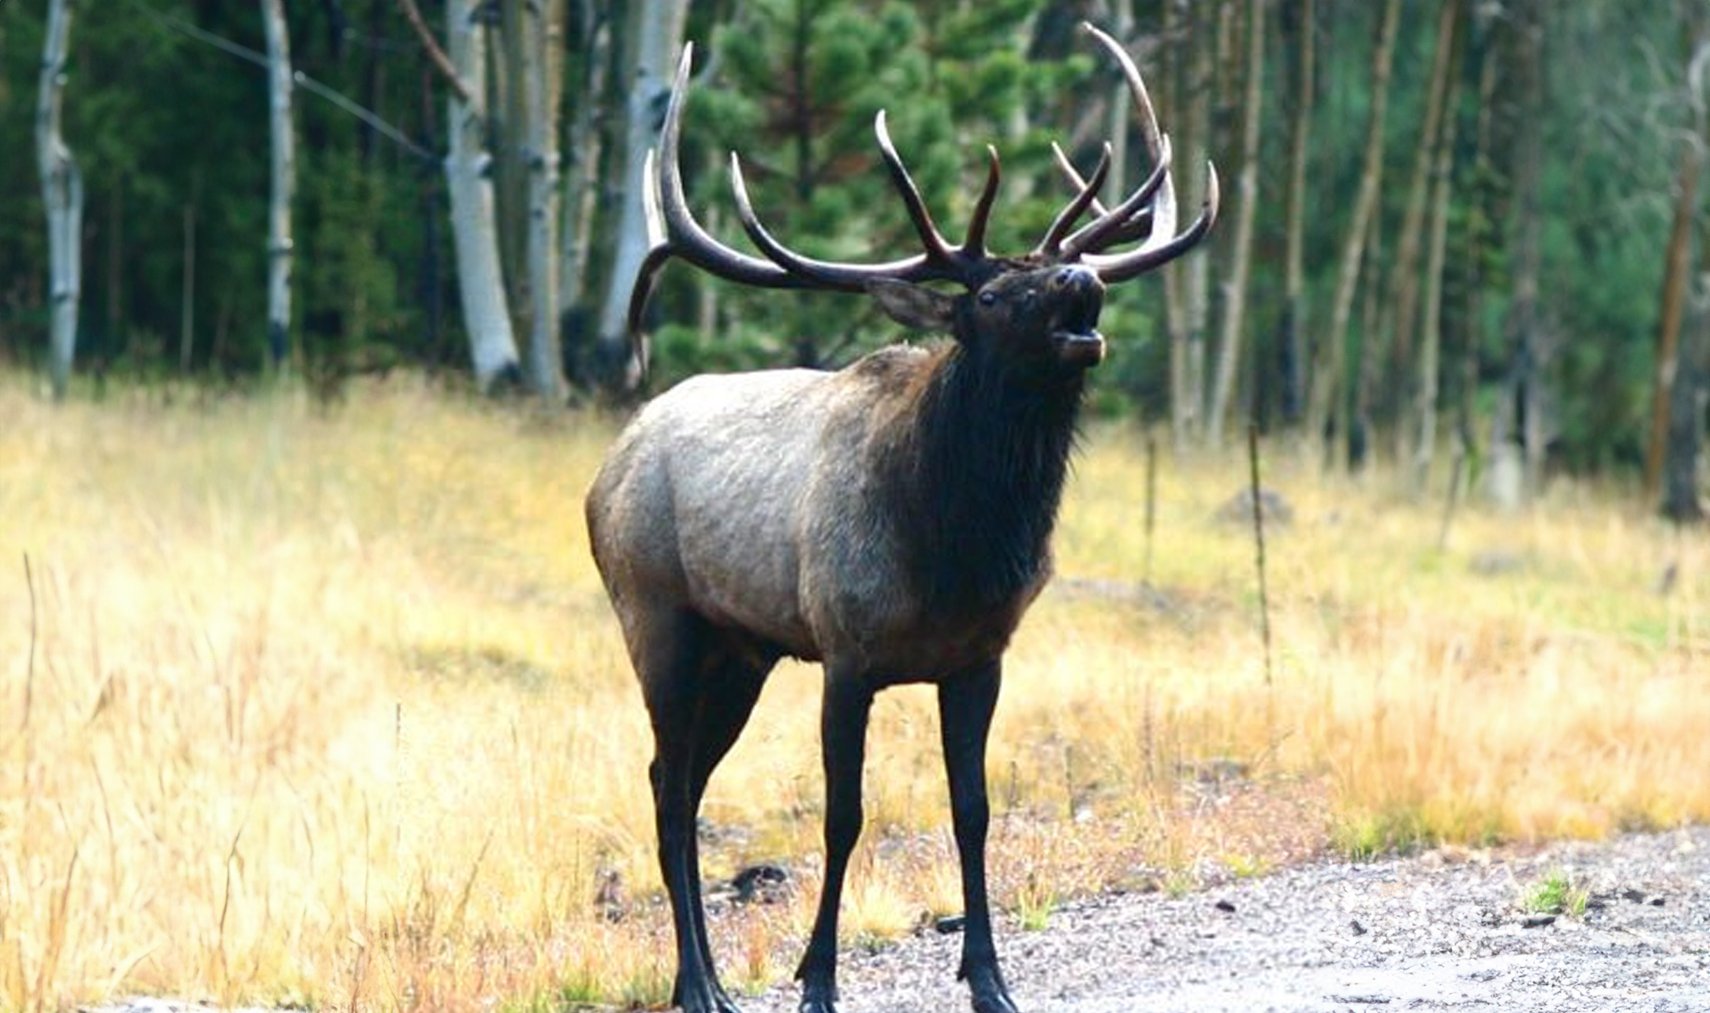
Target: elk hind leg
<point>674,650</point>
<point>843,733</point>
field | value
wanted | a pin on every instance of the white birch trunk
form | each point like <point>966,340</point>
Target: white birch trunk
<point>544,83</point>
<point>284,183</point>
<point>62,197</point>
<point>480,280</point>
<point>656,35</point>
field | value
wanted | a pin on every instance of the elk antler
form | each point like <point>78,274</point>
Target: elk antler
<point>1149,212</point>
<point>1154,200</point>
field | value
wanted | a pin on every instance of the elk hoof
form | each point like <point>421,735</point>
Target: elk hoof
<point>705,1000</point>
<point>818,999</point>
<point>989,993</point>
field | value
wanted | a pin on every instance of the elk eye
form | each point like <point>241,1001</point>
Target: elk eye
<point>988,298</point>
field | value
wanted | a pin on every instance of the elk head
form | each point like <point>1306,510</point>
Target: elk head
<point>1045,302</point>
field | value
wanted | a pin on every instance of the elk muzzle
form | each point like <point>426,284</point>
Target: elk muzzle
<point>1078,296</point>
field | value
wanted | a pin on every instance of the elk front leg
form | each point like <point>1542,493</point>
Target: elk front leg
<point>965,706</point>
<point>843,738</point>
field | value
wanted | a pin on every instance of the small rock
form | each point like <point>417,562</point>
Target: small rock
<point>766,883</point>
<point>1658,902</point>
<point>1239,508</point>
<point>1218,770</point>
<point>1495,562</point>
<point>1537,921</point>
<point>949,925</point>
<point>1228,907</point>
<point>1359,930</point>
<point>1636,896</point>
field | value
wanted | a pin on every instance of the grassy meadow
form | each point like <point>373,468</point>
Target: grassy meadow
<point>326,706</point>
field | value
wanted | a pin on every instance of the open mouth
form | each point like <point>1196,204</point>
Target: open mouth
<point>1076,335</point>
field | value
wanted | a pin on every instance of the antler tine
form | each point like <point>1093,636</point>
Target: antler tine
<point>1104,230</point>
<point>1122,266</point>
<point>1077,183</point>
<point>937,248</point>
<point>658,249</point>
<point>684,236</point>
<point>974,244</point>
<point>1072,212</point>
<point>848,277</point>
<point>1163,244</point>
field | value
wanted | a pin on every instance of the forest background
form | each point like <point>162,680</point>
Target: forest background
<point>1457,230</point>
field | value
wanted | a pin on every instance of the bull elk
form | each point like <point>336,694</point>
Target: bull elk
<point>891,520</point>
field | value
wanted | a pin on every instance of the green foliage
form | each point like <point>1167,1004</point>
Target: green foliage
<point>1555,894</point>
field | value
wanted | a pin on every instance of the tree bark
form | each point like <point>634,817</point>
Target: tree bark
<point>62,197</point>
<point>474,222</point>
<point>1676,257</point>
<point>1294,259</point>
<point>1478,239</point>
<point>1403,300</point>
<point>1690,393</point>
<point>1330,362</point>
<point>582,190</point>
<point>1173,103</point>
<point>545,81</point>
<point>1431,329</point>
<point>1196,271</point>
<point>1247,193</point>
<point>514,52</point>
<point>1528,353</point>
<point>654,38</point>
<point>284,182</point>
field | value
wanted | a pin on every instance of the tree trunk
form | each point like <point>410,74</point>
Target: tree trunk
<point>62,197</point>
<point>284,182</point>
<point>1404,268</point>
<point>480,279</point>
<point>514,53</point>
<point>582,190</point>
<point>1178,24</point>
<point>654,38</point>
<point>545,83</point>
<point>1676,257</point>
<point>1196,271</point>
<point>1690,387</point>
<point>1478,240</point>
<point>1431,330</point>
<point>1247,192</point>
<point>1330,362</point>
<point>1528,353</point>
<point>1691,398</point>
<point>1294,259</point>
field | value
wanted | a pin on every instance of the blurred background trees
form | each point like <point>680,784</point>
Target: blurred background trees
<point>1454,231</point>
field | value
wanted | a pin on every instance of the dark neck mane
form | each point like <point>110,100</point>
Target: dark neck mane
<point>984,480</point>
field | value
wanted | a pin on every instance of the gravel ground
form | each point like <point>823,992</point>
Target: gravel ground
<point>1441,931</point>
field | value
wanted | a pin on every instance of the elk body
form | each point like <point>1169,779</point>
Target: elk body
<point>891,520</point>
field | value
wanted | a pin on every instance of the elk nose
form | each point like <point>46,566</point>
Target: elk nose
<point>1075,276</point>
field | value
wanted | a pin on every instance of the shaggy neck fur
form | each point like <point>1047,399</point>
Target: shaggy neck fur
<point>989,456</point>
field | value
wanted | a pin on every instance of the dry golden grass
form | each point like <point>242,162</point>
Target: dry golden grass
<point>330,708</point>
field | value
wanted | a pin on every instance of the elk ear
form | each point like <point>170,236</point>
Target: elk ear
<point>912,305</point>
